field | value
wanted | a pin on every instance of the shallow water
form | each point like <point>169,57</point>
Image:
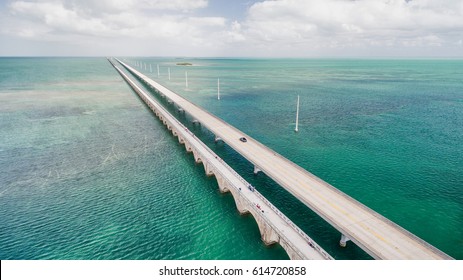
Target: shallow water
<point>89,173</point>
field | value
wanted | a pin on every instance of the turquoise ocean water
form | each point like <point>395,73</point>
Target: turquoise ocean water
<point>87,172</point>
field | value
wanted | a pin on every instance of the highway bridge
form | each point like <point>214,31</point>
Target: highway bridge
<point>273,225</point>
<point>375,234</point>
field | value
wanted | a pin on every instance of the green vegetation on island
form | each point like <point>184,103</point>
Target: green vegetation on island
<point>184,64</point>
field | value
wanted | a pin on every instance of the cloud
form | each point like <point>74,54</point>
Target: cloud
<point>57,18</point>
<point>115,6</point>
<point>269,28</point>
<point>353,24</point>
<point>156,19</point>
<point>234,34</point>
<point>182,5</point>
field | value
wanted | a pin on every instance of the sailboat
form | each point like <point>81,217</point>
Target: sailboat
<point>297,115</point>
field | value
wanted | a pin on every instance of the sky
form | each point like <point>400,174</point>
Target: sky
<point>232,28</point>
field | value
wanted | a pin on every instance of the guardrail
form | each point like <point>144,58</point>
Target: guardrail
<point>182,129</point>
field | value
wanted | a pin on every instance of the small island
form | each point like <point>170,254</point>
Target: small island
<point>184,64</point>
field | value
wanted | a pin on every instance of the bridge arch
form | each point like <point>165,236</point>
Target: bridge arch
<point>231,182</point>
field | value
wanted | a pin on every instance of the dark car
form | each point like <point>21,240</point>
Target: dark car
<point>243,139</point>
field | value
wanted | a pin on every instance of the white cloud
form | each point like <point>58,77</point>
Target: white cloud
<point>234,34</point>
<point>112,6</point>
<point>57,18</point>
<point>270,28</point>
<point>108,18</point>
<point>311,24</point>
<point>183,5</point>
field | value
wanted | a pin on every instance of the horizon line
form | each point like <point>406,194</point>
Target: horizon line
<point>245,57</point>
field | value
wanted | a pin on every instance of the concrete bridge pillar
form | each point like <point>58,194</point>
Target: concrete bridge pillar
<point>240,202</point>
<point>256,169</point>
<point>223,184</point>
<point>197,157</point>
<point>267,234</point>
<point>343,241</point>
<point>208,168</point>
<point>292,253</point>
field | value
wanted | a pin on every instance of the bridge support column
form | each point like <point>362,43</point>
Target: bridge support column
<point>240,202</point>
<point>343,241</point>
<point>256,169</point>
<point>197,157</point>
<point>208,169</point>
<point>217,139</point>
<point>292,254</point>
<point>223,184</point>
<point>267,234</point>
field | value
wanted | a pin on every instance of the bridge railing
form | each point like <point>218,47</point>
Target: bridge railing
<point>216,170</point>
<point>291,224</point>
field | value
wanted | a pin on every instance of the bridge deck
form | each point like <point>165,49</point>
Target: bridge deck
<point>378,236</point>
<point>301,244</point>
